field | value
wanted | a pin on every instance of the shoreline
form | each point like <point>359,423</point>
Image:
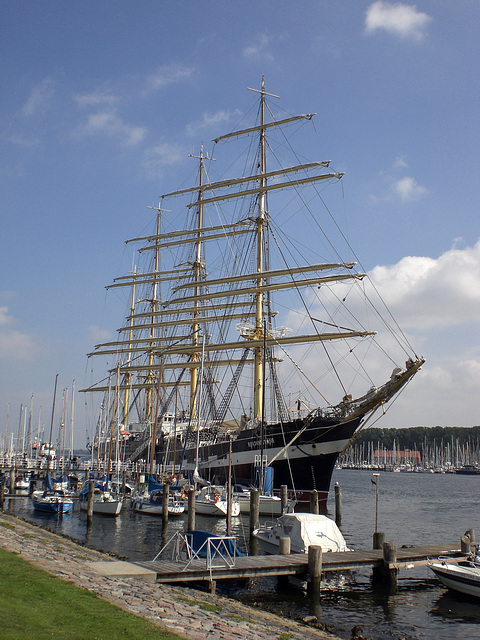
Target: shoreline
<point>193,614</point>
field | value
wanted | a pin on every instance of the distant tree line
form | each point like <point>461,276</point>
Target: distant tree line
<point>417,437</point>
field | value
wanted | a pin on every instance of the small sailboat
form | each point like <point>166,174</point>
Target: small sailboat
<point>104,501</point>
<point>212,500</point>
<point>151,501</point>
<point>50,500</point>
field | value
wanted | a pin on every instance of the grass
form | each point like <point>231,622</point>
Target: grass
<point>35,604</point>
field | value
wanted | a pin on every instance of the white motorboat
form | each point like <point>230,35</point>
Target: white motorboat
<point>304,530</point>
<point>212,501</point>
<point>462,577</point>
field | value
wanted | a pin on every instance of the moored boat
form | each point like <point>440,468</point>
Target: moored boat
<point>304,530</point>
<point>213,501</point>
<point>104,501</point>
<point>462,577</point>
<point>50,500</point>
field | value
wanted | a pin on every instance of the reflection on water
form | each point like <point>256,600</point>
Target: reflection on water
<point>413,509</point>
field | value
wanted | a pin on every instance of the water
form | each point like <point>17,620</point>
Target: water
<point>413,509</point>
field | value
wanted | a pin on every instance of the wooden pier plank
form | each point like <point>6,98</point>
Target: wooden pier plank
<point>295,564</point>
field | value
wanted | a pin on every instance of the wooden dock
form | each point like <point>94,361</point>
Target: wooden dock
<point>295,564</point>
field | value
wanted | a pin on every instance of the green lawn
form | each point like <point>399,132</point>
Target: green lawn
<point>35,604</point>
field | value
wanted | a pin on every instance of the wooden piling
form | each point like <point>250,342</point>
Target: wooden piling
<point>254,509</point>
<point>385,572</point>
<point>91,487</point>
<point>283,550</point>
<point>284,546</point>
<point>338,503</point>
<point>284,497</point>
<point>191,509</point>
<point>2,494</point>
<point>314,508</point>
<point>165,500</point>
<point>12,481</point>
<point>378,539</point>
<point>314,575</point>
<point>465,544</point>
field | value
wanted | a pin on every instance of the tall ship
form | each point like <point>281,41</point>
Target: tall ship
<point>243,354</point>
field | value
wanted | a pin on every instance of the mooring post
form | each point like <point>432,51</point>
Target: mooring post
<point>314,576</point>
<point>91,487</point>
<point>284,546</point>
<point>466,542</point>
<point>385,572</point>
<point>283,550</point>
<point>191,509</point>
<point>284,497</point>
<point>165,500</point>
<point>254,509</point>
<point>314,502</point>
<point>338,503</point>
<point>12,481</point>
<point>378,539</point>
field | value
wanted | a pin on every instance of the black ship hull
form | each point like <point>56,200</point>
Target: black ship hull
<point>302,456</point>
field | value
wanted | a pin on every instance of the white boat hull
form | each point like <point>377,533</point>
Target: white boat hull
<point>461,578</point>
<point>107,508</point>
<point>219,508</point>
<point>141,505</point>
<point>268,505</point>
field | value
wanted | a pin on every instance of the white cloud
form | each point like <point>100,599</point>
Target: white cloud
<point>399,19</point>
<point>14,345</point>
<point>169,74</point>
<point>424,293</point>
<point>23,141</point>
<point>39,98</point>
<point>96,99</point>
<point>408,188</point>
<point>259,48</point>
<point>109,123</point>
<point>163,154</point>
<point>97,335</point>
<point>209,120</point>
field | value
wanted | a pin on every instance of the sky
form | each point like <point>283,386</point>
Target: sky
<point>102,102</point>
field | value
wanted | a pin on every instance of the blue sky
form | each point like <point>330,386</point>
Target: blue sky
<point>103,101</point>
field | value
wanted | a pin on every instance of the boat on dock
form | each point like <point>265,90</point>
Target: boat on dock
<point>206,369</point>
<point>303,530</point>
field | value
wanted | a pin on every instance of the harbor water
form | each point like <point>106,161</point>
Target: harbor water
<point>413,509</point>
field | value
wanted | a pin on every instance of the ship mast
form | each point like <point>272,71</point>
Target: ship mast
<point>258,351</point>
